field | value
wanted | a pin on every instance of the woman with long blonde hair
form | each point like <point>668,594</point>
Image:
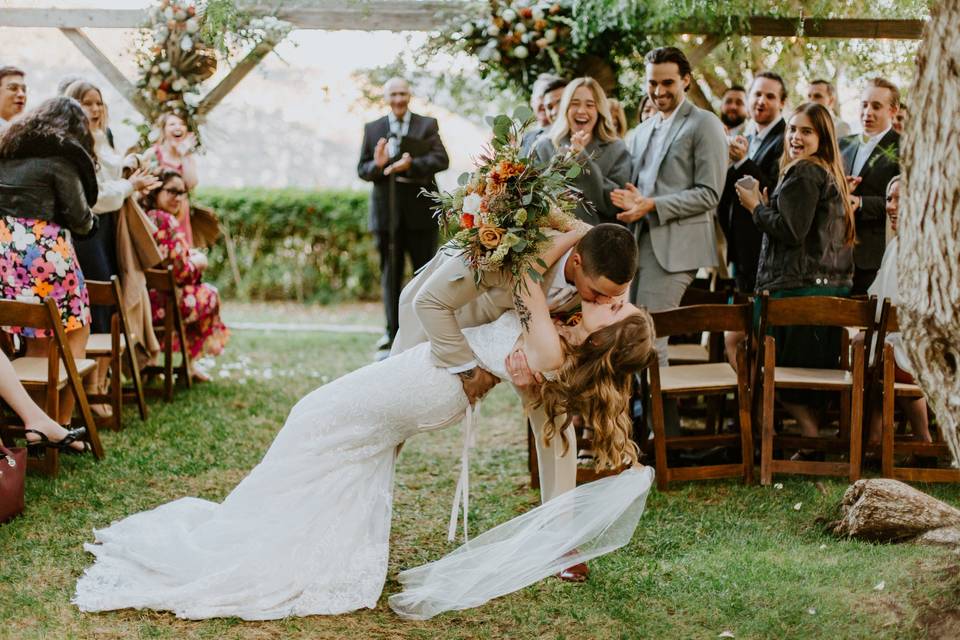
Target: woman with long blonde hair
<point>807,246</point>
<point>585,128</point>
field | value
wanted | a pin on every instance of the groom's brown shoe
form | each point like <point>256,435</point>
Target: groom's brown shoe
<point>576,573</point>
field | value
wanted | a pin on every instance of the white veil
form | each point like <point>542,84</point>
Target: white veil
<point>587,522</point>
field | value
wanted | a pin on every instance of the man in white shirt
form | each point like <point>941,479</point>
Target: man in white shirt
<point>823,92</point>
<point>13,94</point>
<point>871,159</point>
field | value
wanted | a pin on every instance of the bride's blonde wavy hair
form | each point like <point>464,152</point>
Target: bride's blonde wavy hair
<point>596,381</point>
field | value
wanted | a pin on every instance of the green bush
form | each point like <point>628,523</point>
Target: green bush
<point>292,244</point>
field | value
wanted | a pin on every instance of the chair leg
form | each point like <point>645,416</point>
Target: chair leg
<point>659,432</point>
<point>886,447</point>
<point>856,414</point>
<point>168,353</point>
<point>137,380</point>
<point>746,428</point>
<point>766,437</point>
<point>116,390</point>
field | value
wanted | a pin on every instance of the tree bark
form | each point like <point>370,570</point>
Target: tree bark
<point>929,258</point>
<point>886,510</point>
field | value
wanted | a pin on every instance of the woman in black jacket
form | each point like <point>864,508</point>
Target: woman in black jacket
<point>807,247</point>
<point>48,183</point>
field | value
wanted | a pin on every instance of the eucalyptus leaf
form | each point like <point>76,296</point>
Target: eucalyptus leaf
<point>463,179</point>
<point>573,172</point>
<point>522,113</point>
<point>526,199</point>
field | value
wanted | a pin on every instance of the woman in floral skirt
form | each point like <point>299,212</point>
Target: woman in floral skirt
<point>48,183</point>
<point>199,301</point>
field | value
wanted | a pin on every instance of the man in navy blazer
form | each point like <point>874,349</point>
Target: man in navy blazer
<point>758,156</point>
<point>404,148</point>
<point>871,159</point>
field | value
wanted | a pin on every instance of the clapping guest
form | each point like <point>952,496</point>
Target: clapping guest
<point>200,301</point>
<point>174,150</point>
<point>887,285</point>
<point>13,94</point>
<point>48,183</point>
<point>757,156</point>
<point>871,159</point>
<point>587,130</point>
<point>808,236</point>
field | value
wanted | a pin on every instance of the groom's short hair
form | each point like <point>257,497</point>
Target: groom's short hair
<point>609,250</point>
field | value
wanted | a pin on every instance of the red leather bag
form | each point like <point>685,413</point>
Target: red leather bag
<point>13,470</point>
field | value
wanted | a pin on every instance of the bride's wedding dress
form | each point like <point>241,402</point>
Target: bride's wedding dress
<point>307,531</point>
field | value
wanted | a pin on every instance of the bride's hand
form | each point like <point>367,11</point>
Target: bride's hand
<point>520,373</point>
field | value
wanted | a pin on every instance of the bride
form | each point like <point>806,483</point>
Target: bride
<point>307,531</point>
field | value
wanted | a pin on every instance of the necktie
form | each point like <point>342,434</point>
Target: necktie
<point>754,145</point>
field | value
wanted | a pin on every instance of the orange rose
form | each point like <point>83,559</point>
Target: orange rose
<point>466,221</point>
<point>490,236</point>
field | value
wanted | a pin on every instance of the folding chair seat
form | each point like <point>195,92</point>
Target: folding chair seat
<point>847,378</point>
<point>47,376</point>
<point>891,447</point>
<point>162,280</point>
<point>113,345</point>
<point>709,379</point>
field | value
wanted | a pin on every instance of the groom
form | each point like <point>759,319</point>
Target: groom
<point>444,298</point>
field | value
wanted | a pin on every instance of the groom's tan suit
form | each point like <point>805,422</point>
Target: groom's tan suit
<point>443,299</point>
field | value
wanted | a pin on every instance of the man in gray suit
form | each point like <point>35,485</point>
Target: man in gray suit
<point>679,166</point>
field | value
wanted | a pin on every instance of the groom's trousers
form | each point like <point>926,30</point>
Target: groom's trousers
<point>557,470</point>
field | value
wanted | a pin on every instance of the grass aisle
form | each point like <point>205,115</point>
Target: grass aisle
<point>707,557</point>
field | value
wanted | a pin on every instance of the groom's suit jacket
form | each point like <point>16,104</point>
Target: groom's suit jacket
<point>443,299</point>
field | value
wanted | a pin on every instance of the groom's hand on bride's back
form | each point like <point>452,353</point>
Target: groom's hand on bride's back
<point>477,382</point>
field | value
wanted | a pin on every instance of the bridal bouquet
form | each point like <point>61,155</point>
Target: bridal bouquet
<point>497,215</point>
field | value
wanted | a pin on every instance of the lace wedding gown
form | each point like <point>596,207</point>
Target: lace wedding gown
<point>307,531</point>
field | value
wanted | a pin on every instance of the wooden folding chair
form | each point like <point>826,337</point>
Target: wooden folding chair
<point>115,345</point>
<point>891,390</point>
<point>45,376</point>
<point>698,352</point>
<point>162,280</point>
<point>708,379</point>
<point>847,379</point>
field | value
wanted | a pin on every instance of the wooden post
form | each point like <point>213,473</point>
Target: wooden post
<point>103,64</point>
<point>233,78</point>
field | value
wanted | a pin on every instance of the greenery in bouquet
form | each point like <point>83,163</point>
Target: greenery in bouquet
<point>177,51</point>
<point>497,216</point>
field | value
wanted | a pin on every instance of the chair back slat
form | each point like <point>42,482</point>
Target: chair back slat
<point>712,318</point>
<point>24,314</point>
<point>101,292</point>
<point>697,296</point>
<point>821,311</point>
<point>160,279</point>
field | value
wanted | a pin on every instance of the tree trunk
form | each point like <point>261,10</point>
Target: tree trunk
<point>929,257</point>
<point>890,511</point>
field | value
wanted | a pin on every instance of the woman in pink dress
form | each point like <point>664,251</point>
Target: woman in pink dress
<point>174,150</point>
<point>199,301</point>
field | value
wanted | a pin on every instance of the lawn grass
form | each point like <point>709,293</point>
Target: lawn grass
<point>707,557</point>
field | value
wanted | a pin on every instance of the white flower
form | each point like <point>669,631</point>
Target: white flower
<point>191,99</point>
<point>59,264</point>
<point>155,82</point>
<point>538,13</point>
<point>179,84</point>
<point>496,55</point>
<point>471,203</point>
<point>520,28</point>
<point>256,23</point>
<point>168,13</point>
<point>467,29</point>
<point>193,25</point>
<point>520,52</point>
<point>526,37</point>
<point>550,35</point>
<point>493,30</point>
<point>509,15</point>
<point>22,237</point>
<point>164,66</point>
<point>186,43</point>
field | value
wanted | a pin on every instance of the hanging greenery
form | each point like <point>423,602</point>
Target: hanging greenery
<point>177,51</point>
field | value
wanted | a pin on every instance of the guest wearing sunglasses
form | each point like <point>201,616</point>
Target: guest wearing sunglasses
<point>199,302</point>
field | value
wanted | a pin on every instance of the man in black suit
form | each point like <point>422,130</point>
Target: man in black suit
<point>400,155</point>
<point>758,156</point>
<point>871,159</point>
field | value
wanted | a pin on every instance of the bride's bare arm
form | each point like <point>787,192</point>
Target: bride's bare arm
<point>563,242</point>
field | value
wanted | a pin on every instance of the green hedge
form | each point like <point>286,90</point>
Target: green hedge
<point>292,244</point>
